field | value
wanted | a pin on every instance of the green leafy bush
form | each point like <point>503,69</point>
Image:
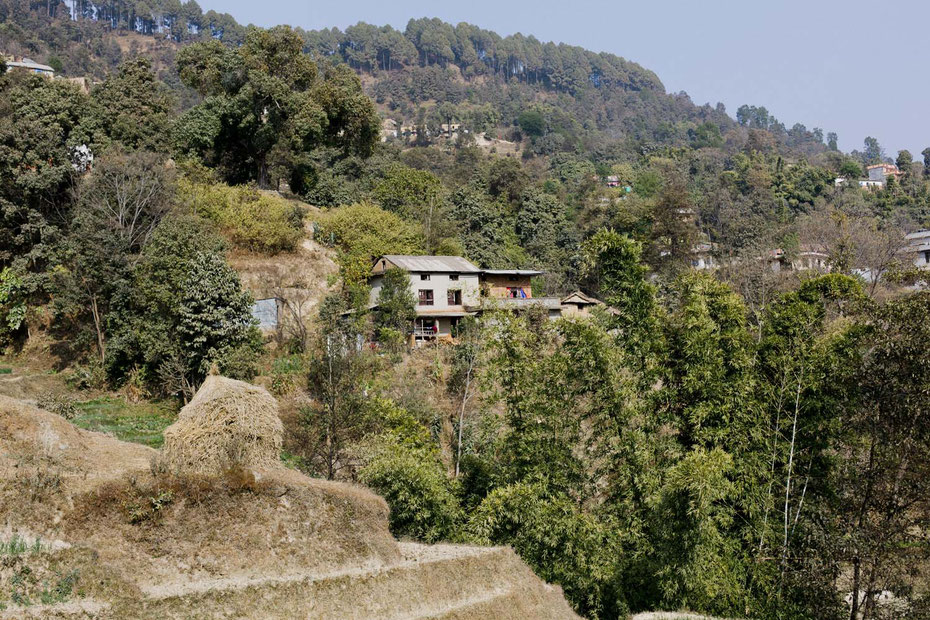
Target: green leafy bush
<point>251,219</point>
<point>403,467</point>
<point>562,544</point>
<point>416,488</point>
<point>362,232</point>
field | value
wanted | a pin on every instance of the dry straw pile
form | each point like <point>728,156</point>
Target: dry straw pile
<point>228,423</point>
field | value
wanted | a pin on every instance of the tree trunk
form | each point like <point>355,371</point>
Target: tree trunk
<point>458,451</point>
<point>857,570</point>
<point>98,326</point>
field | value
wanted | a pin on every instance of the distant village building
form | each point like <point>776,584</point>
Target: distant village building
<point>447,289</point>
<point>917,249</point>
<point>29,65</point>
<point>579,304</point>
<point>613,181</point>
<point>388,129</point>
<point>776,260</point>
<point>811,257</point>
<point>878,175</point>
<point>880,172</point>
<point>702,256</point>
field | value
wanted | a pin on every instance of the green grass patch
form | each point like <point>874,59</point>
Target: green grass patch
<point>143,422</point>
<point>17,545</point>
<point>6,371</point>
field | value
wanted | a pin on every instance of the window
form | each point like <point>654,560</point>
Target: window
<point>454,277</point>
<point>927,256</point>
<point>424,276</point>
<point>455,298</point>
<point>513,278</point>
<point>426,297</point>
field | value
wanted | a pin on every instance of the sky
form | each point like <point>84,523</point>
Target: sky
<point>854,67</point>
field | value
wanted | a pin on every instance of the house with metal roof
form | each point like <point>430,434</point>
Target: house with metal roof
<point>449,288</point>
<point>27,64</point>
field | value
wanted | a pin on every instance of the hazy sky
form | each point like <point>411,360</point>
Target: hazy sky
<point>854,67</point>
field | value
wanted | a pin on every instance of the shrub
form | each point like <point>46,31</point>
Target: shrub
<point>250,219</point>
<point>57,403</point>
<point>286,374</point>
<point>363,232</point>
<point>561,543</point>
<point>418,491</point>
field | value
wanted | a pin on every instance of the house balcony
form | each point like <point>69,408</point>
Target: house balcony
<point>551,304</point>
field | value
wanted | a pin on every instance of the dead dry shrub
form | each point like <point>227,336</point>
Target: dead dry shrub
<point>148,500</point>
<point>57,403</point>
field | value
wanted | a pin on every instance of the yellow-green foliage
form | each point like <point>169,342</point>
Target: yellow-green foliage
<point>362,232</point>
<point>250,219</point>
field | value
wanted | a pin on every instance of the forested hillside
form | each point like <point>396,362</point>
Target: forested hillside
<point>747,439</point>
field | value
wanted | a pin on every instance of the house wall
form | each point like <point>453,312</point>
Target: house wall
<point>499,285</point>
<point>440,284</point>
<point>576,310</point>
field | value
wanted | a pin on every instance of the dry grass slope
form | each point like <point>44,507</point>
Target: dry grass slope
<point>237,540</point>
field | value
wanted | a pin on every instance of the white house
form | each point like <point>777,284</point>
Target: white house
<point>447,288</point>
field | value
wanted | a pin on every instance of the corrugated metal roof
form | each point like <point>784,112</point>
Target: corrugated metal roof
<point>28,64</point>
<point>453,264</point>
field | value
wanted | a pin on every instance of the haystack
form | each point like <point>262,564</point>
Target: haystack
<point>228,423</point>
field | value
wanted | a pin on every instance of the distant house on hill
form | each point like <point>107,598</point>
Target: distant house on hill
<point>31,66</point>
<point>880,172</point>
<point>811,257</point>
<point>388,129</point>
<point>613,181</point>
<point>917,249</point>
<point>702,256</point>
<point>580,305</point>
<point>447,289</point>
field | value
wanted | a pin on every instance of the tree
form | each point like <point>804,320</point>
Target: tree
<point>466,361</point>
<point>12,308</point>
<point>215,323</point>
<point>182,310</point>
<point>613,263</point>
<point>118,207</point>
<point>416,195</point>
<point>832,141</point>
<point>904,160</point>
<point>808,360</point>
<point>266,107</point>
<point>532,122</point>
<point>926,154</point>
<point>882,478</point>
<point>396,303</point>
<point>546,233</point>
<point>129,194</point>
<point>873,152</point>
<point>338,370</point>
<point>41,122</point>
<point>363,232</point>
<point>134,108</point>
